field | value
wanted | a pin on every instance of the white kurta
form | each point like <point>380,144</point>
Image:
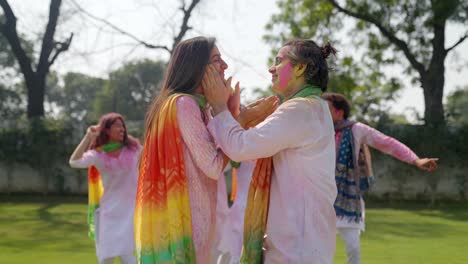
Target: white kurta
<point>300,137</point>
<point>230,220</point>
<point>114,218</point>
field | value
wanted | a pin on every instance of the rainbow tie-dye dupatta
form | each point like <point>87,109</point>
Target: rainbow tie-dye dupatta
<point>95,192</point>
<point>163,230</point>
<point>256,212</point>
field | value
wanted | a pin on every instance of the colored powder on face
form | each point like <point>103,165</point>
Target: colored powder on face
<point>285,76</point>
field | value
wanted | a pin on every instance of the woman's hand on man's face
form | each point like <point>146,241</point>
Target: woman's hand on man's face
<point>215,90</point>
<point>234,99</point>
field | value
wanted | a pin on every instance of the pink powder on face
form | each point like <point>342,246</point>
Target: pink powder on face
<point>284,77</point>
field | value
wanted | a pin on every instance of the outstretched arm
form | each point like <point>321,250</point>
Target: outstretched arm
<point>393,147</point>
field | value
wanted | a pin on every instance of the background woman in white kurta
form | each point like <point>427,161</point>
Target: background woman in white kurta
<point>119,173</point>
<point>300,137</point>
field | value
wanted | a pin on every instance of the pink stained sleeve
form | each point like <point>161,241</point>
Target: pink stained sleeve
<point>197,138</point>
<point>288,127</point>
<point>384,143</point>
<point>88,159</point>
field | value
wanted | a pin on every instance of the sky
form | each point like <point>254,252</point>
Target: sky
<point>238,26</point>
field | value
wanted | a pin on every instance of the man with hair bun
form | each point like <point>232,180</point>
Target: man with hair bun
<point>293,188</point>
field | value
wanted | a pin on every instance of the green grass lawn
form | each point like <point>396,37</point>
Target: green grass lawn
<point>413,233</point>
<point>54,231</point>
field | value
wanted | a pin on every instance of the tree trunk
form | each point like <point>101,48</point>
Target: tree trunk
<point>36,89</point>
<point>433,86</point>
<point>433,79</point>
<point>35,79</point>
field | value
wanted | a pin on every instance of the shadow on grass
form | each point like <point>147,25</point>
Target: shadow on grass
<point>43,227</point>
<point>455,211</point>
<point>58,219</point>
<point>37,198</point>
<point>408,220</point>
<point>384,230</point>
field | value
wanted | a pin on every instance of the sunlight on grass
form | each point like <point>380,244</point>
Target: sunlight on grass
<point>44,233</point>
<point>54,232</point>
<point>413,234</point>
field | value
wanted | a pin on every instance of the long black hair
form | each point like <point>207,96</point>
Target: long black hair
<point>184,72</point>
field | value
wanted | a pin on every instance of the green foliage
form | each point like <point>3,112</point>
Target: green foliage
<point>367,91</point>
<point>76,96</point>
<point>35,142</point>
<point>300,18</point>
<point>11,103</point>
<point>457,107</point>
<point>130,89</point>
<point>449,144</point>
<point>413,22</point>
<point>84,98</point>
<point>12,92</point>
<point>80,97</point>
<point>42,144</point>
<point>7,58</point>
<point>359,79</point>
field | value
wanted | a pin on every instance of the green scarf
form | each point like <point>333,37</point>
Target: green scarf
<point>201,100</point>
<point>110,147</point>
<point>308,90</point>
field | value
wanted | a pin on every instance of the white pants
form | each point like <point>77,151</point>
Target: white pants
<point>353,248</point>
<point>127,259</point>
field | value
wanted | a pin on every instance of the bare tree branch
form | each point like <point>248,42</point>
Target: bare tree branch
<point>457,43</point>
<point>119,30</point>
<point>48,38</point>
<point>9,31</point>
<point>60,47</point>
<point>35,79</point>
<point>386,32</point>
<point>184,27</point>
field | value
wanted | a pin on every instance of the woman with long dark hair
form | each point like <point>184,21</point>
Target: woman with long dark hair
<point>175,214</point>
<point>111,156</point>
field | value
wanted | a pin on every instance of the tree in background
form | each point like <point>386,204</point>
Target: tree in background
<point>83,98</point>
<point>75,98</point>
<point>367,91</point>
<point>185,8</point>
<point>35,69</point>
<point>130,89</point>
<point>10,94</point>
<point>457,107</point>
<point>405,32</point>
<point>35,74</point>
